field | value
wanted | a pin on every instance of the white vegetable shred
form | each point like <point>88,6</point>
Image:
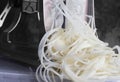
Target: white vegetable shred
<point>76,53</point>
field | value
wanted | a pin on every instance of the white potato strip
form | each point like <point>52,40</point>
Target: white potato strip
<point>76,53</point>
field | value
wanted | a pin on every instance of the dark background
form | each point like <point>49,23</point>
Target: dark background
<point>25,38</point>
<point>108,20</point>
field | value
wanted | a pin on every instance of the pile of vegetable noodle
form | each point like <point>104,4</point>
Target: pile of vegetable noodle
<point>76,53</point>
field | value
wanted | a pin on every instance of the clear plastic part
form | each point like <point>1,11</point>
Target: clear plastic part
<point>4,14</point>
<point>53,18</point>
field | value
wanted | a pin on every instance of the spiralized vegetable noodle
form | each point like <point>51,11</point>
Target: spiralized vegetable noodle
<point>76,53</point>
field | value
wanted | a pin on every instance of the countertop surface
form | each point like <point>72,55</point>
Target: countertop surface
<point>11,71</point>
